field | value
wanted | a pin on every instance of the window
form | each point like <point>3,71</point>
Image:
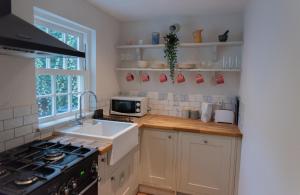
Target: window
<point>59,80</point>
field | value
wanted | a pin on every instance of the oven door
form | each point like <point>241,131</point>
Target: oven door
<point>91,189</point>
<point>124,106</point>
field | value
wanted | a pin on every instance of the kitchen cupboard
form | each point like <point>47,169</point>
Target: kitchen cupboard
<point>206,164</point>
<point>158,155</point>
<point>191,163</point>
<point>120,179</point>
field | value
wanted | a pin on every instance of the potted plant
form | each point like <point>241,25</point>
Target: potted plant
<point>171,46</point>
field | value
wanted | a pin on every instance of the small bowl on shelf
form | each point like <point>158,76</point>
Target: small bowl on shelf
<point>186,66</point>
<point>142,64</point>
<point>158,65</point>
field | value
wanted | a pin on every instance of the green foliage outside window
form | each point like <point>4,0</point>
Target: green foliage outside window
<point>63,96</point>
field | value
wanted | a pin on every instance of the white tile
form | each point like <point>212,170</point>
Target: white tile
<point>34,109</point>
<point>13,123</point>
<point>170,96</point>
<point>6,135</point>
<point>14,143</point>
<point>30,119</point>
<point>31,137</point>
<point>153,95</point>
<point>6,114</point>
<point>35,127</point>
<point>22,111</point>
<point>23,130</point>
<point>1,126</point>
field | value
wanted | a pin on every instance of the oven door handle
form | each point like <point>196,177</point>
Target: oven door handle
<point>88,187</point>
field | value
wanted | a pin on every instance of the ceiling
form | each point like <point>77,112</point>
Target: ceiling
<point>133,10</point>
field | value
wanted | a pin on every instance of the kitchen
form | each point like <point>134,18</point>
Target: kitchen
<point>177,139</point>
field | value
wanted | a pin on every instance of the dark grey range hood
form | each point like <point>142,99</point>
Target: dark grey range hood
<point>20,38</point>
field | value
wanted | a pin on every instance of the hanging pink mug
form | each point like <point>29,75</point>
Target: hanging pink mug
<point>199,79</point>
<point>180,78</point>
<point>129,77</point>
<point>145,77</point>
<point>163,78</point>
<point>220,79</point>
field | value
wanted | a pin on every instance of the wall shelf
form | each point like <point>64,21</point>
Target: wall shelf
<point>183,45</point>
<point>184,70</point>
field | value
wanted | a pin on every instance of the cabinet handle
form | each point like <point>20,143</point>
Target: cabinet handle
<point>170,137</point>
<point>112,178</point>
<point>205,141</point>
<point>102,159</point>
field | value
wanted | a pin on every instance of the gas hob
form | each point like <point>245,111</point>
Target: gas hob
<point>43,167</point>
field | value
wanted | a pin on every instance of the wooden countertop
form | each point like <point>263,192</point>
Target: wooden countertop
<point>187,125</point>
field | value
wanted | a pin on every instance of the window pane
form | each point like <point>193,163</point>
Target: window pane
<point>61,84</point>
<point>75,84</point>
<point>40,62</point>
<point>72,63</point>
<point>43,85</point>
<point>42,28</point>
<point>56,63</point>
<point>62,104</point>
<point>56,34</point>
<point>75,102</point>
<point>72,41</point>
<point>44,106</point>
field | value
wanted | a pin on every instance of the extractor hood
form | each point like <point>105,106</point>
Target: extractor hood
<point>20,38</point>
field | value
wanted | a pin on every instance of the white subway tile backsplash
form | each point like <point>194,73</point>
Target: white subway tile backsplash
<point>170,96</point>
<point>6,135</point>
<point>6,114</point>
<point>22,111</point>
<point>34,109</point>
<point>13,123</point>
<point>24,130</point>
<point>17,125</point>
<point>31,137</point>
<point>14,143</point>
<point>1,126</point>
<point>30,119</point>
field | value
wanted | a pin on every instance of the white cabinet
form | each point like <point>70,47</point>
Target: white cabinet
<point>158,158</point>
<point>120,179</point>
<point>206,164</point>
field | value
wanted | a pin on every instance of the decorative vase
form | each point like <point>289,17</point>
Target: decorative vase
<point>155,38</point>
<point>197,36</point>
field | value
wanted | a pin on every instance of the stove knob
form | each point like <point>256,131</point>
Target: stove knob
<point>74,185</point>
<point>66,191</point>
<point>94,168</point>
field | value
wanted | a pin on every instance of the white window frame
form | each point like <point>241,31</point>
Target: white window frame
<point>86,35</point>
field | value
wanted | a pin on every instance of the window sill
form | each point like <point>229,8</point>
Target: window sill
<point>59,122</point>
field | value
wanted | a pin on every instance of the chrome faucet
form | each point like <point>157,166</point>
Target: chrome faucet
<point>79,120</point>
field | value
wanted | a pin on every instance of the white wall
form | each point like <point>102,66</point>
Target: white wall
<point>213,25</point>
<point>270,99</point>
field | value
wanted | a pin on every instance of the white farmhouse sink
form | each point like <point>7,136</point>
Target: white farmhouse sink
<point>123,136</point>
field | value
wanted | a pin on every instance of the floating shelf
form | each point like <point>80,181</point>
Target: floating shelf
<point>207,44</point>
<point>185,70</point>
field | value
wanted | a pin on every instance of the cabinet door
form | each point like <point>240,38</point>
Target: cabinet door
<point>205,164</point>
<point>158,158</point>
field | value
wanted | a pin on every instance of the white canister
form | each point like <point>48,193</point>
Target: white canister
<point>206,111</point>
